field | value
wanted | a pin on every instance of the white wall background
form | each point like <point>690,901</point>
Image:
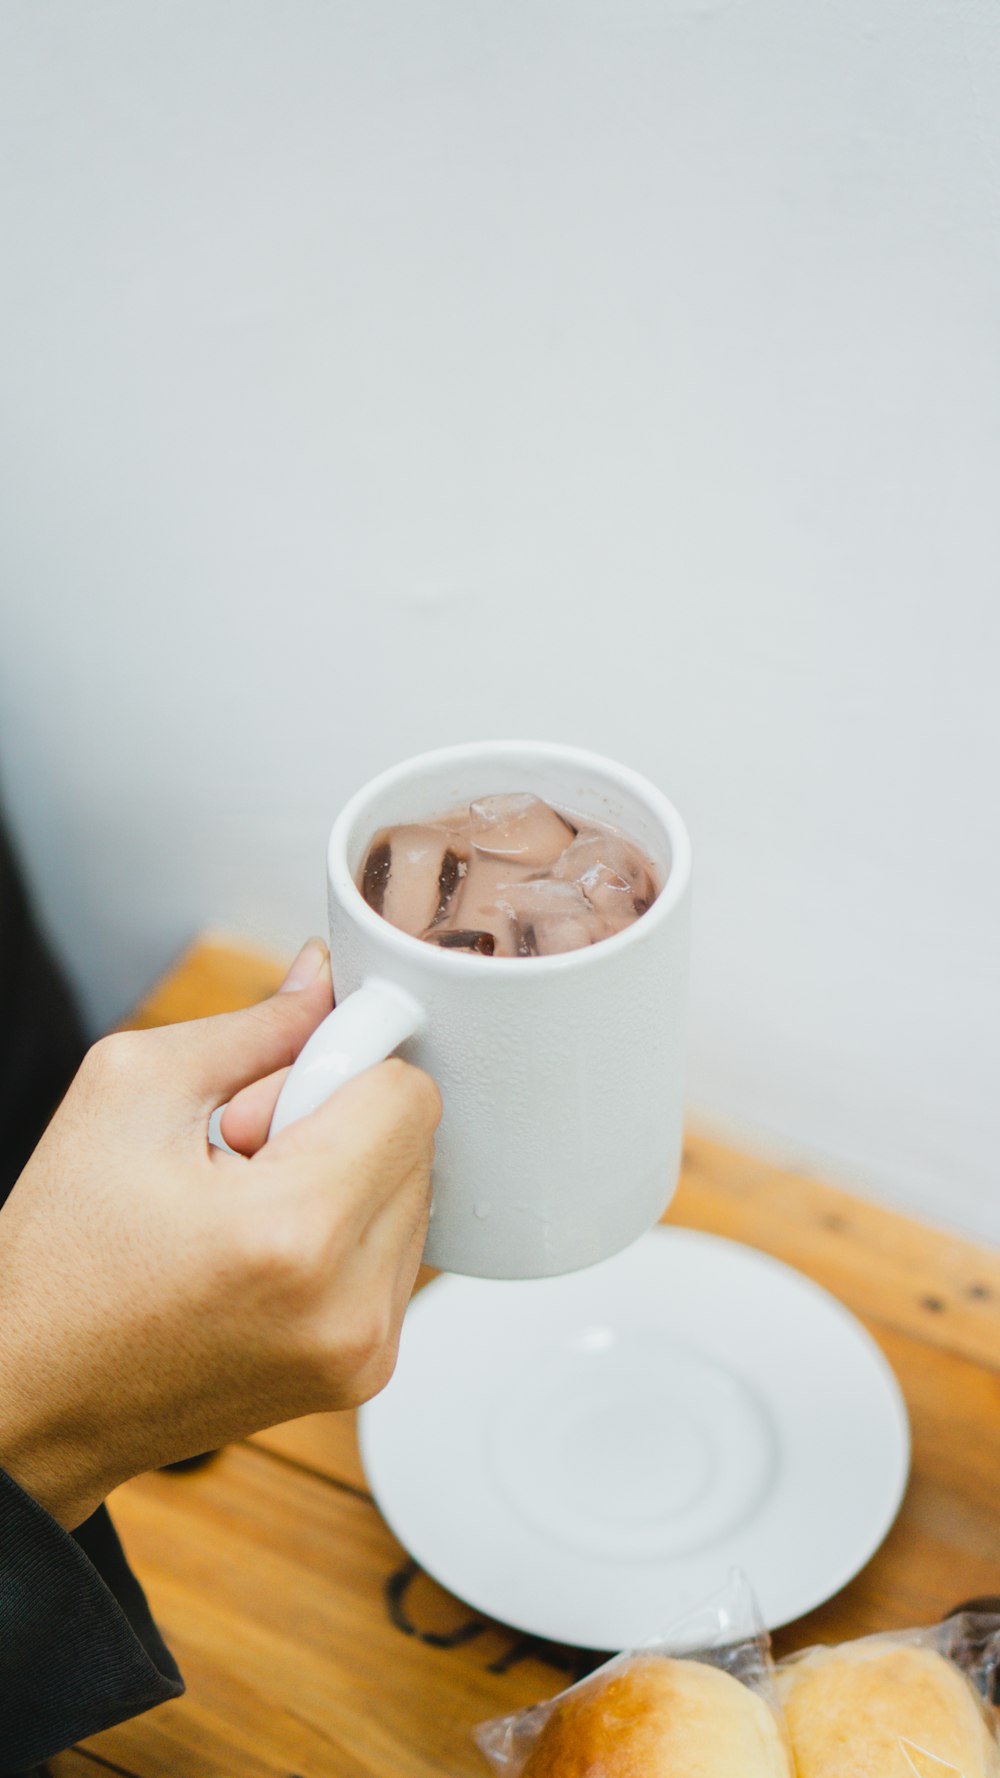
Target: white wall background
<point>623,371</point>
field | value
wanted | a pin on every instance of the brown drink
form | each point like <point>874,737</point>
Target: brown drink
<point>509,876</point>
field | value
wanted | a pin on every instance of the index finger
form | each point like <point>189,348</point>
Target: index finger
<point>376,1128</point>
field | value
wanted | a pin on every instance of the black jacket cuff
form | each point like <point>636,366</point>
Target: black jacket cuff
<point>79,1650</point>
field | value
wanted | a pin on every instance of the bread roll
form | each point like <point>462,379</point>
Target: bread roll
<point>660,1718</point>
<point>847,1709</point>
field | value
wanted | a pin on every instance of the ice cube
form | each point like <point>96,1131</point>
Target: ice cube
<point>613,875</point>
<point>477,908</point>
<point>519,827</point>
<point>411,876</point>
<point>551,917</point>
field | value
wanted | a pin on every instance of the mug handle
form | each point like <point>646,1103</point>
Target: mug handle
<point>362,1030</point>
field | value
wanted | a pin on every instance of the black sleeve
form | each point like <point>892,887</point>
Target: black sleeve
<point>79,1650</point>
<point>41,1038</point>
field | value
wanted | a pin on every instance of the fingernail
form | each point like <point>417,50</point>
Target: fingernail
<point>306,968</point>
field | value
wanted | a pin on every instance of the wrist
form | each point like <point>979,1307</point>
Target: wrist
<point>47,1456</point>
<point>69,1498</point>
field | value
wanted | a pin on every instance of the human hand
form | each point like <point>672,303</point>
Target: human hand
<point>159,1297</point>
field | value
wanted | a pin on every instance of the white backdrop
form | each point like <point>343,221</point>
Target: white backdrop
<point>374,376</point>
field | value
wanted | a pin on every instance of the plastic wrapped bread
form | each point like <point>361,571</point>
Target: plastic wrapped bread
<point>655,1717</point>
<point>888,1707</point>
<point>696,1702</point>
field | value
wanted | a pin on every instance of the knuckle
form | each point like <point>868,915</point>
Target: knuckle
<point>379,1372</point>
<point>367,1352</point>
<point>416,1092</point>
<point>275,1023</point>
<point>375,1334</point>
<point>281,1262</point>
<point>116,1058</point>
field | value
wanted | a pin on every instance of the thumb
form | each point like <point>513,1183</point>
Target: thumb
<point>218,1056</point>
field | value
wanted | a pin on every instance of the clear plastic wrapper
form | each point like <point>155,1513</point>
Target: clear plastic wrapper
<point>696,1699</point>
<point>910,1704</point>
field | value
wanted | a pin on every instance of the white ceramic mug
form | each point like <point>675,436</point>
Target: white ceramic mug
<point>561,1076</point>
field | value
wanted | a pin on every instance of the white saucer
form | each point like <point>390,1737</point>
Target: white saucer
<point>586,1457</point>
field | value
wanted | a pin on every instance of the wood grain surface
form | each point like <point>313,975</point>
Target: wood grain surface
<point>313,1648</point>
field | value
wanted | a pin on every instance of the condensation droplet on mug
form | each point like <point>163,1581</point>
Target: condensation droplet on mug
<point>481,1210</point>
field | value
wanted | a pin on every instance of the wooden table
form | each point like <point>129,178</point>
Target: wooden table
<point>313,1648</point>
